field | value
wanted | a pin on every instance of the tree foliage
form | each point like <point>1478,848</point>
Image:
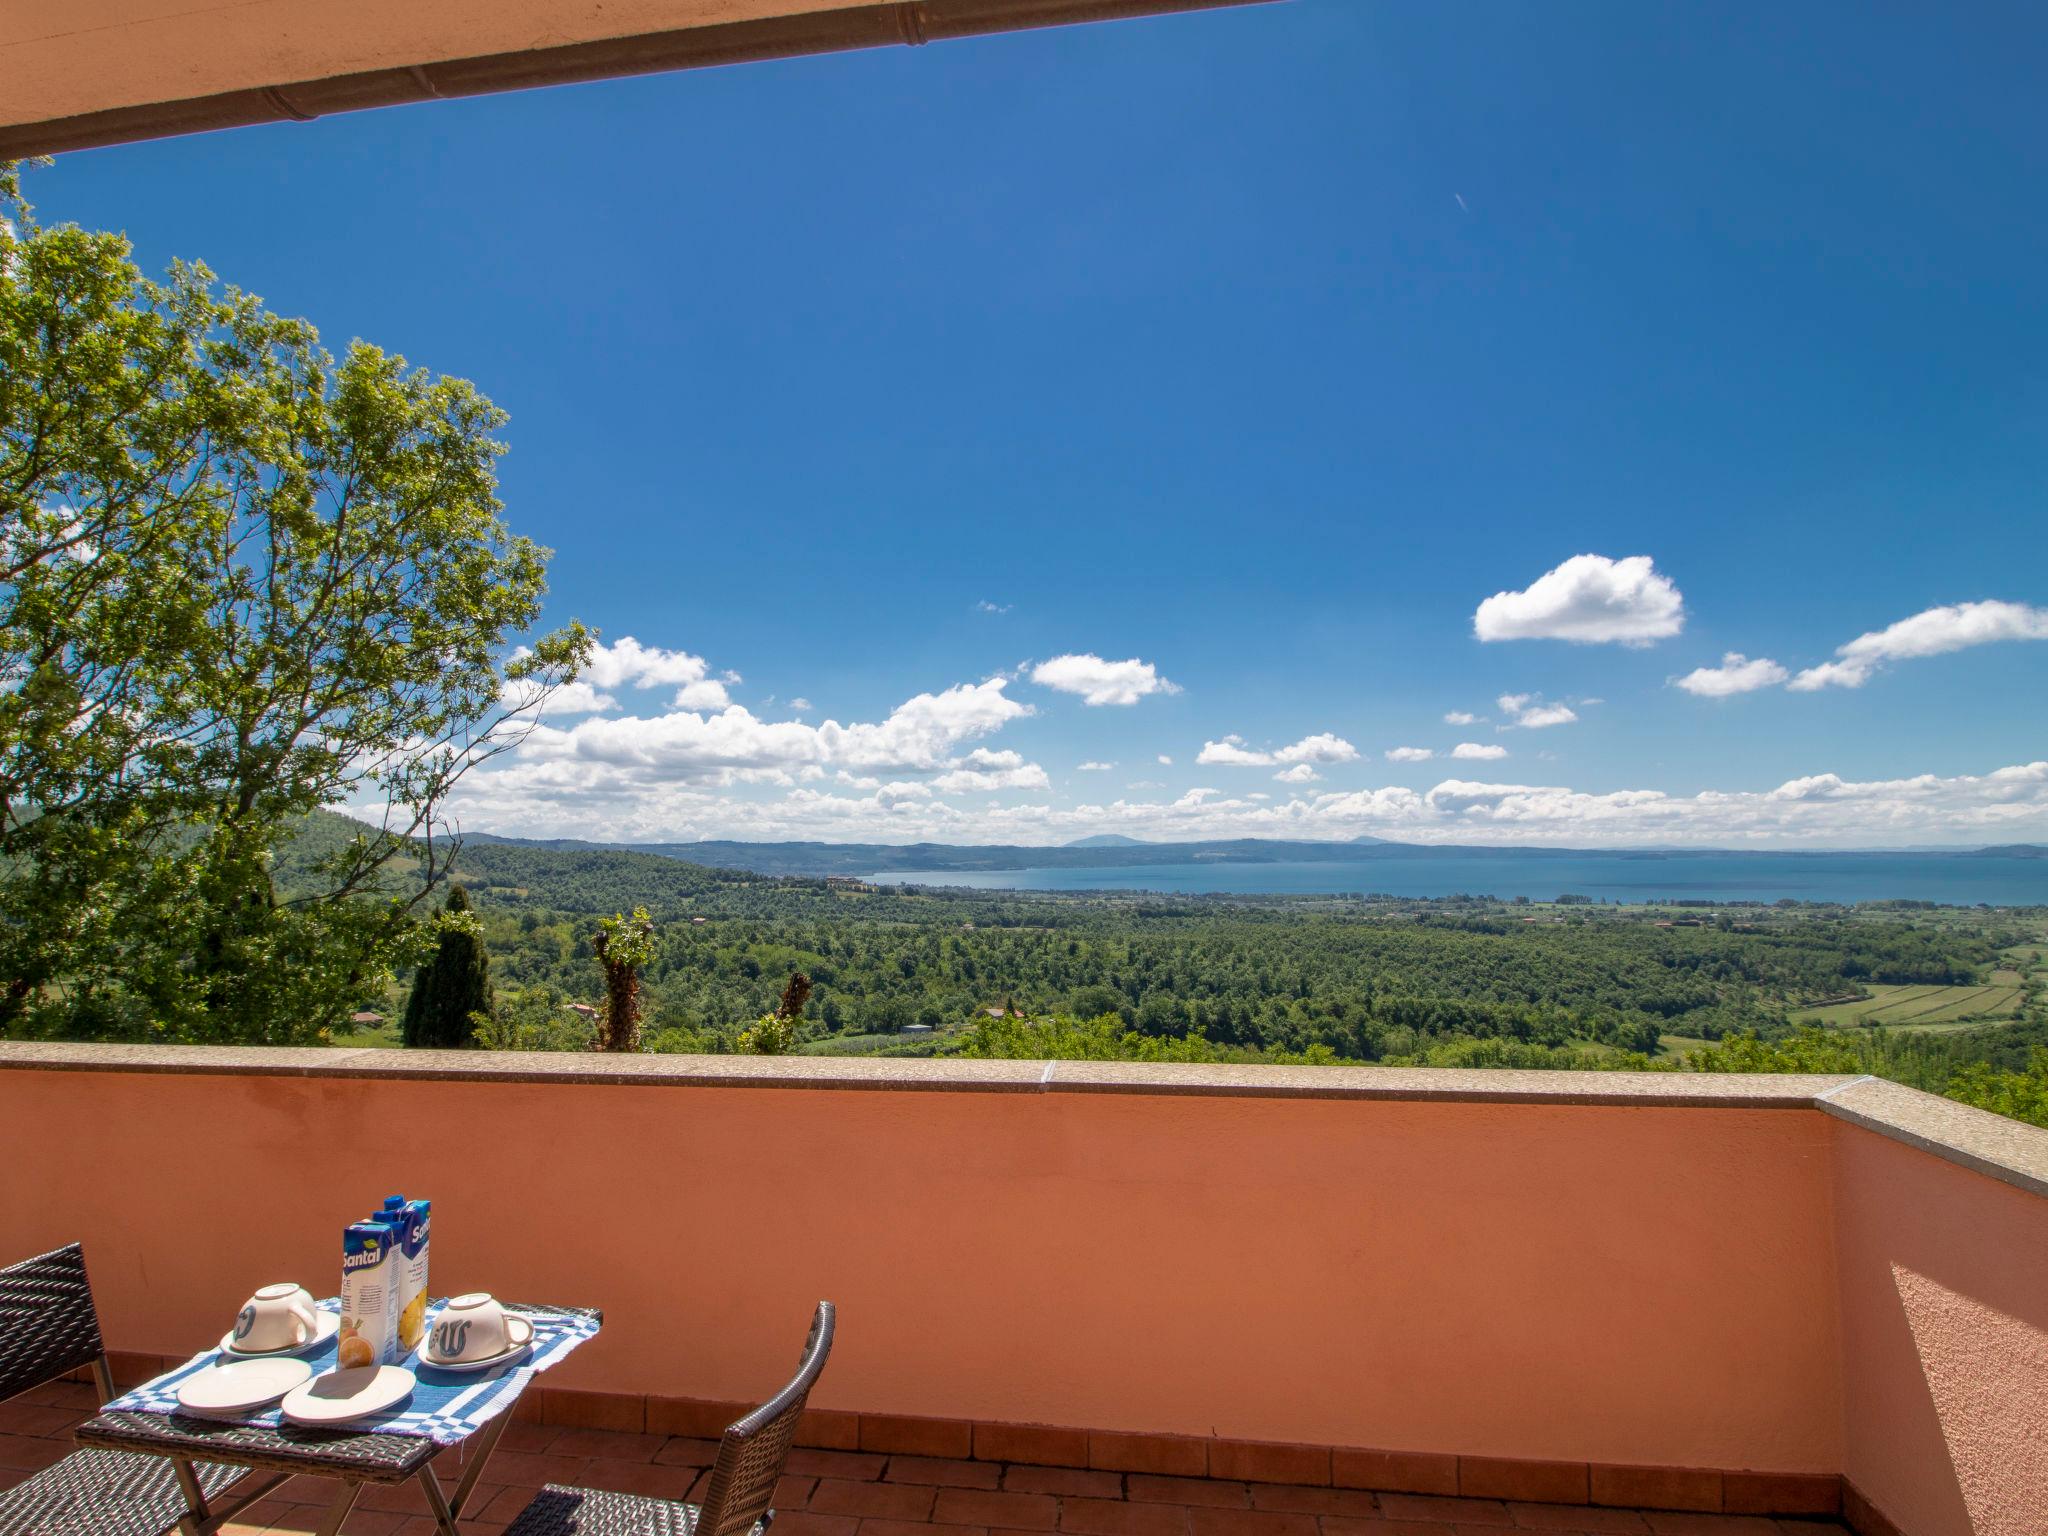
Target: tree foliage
<point>623,946</point>
<point>240,579</point>
<point>452,989</point>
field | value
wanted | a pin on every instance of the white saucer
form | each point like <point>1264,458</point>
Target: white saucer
<point>471,1367</point>
<point>329,1326</point>
<point>238,1386</point>
<point>488,1362</point>
<point>342,1397</point>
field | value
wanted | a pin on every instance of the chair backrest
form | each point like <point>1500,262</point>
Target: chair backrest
<point>47,1322</point>
<point>751,1456</point>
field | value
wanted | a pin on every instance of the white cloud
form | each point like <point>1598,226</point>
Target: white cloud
<point>1461,717</point>
<point>1102,682</point>
<point>629,663</point>
<point>1165,761</point>
<point>577,698</point>
<point>986,771</point>
<point>1300,773</point>
<point>1531,713</point>
<point>985,606</point>
<point>576,797</point>
<point>708,693</point>
<point>1095,767</point>
<point>1484,752</point>
<point>801,706</point>
<point>1588,599</point>
<point>1953,627</point>
<point>1321,748</point>
<point>1736,674</point>
<point>1409,754</point>
<point>919,734</point>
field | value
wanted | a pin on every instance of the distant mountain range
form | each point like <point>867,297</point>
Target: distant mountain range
<point>1110,851</point>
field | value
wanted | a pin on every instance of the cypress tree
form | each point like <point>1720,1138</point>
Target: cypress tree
<point>451,986</point>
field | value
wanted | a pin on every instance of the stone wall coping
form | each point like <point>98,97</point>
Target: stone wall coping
<point>2003,1149</point>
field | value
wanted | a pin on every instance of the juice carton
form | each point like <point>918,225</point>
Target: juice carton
<point>372,1257</point>
<point>412,1217</point>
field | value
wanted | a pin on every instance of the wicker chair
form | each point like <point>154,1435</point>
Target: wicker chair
<point>48,1326</point>
<point>750,1460</point>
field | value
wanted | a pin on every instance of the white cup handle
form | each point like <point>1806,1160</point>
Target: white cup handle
<point>309,1316</point>
<point>513,1323</point>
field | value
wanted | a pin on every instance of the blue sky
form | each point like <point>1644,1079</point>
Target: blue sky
<point>1262,347</point>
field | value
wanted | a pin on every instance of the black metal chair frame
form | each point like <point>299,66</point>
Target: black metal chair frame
<point>751,1456</point>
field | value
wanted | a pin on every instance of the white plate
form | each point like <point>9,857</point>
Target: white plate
<point>239,1386</point>
<point>330,1325</point>
<point>342,1397</point>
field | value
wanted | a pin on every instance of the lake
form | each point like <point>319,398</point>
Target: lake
<point>1959,879</point>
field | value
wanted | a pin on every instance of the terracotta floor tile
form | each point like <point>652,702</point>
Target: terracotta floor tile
<point>20,1417</point>
<point>531,1468</point>
<point>1010,1511</point>
<point>642,1477</point>
<point>917,1528</point>
<point>1063,1480</point>
<point>683,1451</point>
<point>1251,1522</point>
<point>1578,1519</point>
<point>944,1471</point>
<point>1356,1502</point>
<point>1672,1523</point>
<point>1147,1488</point>
<point>805,1522</point>
<point>528,1437</point>
<point>849,1464</point>
<point>611,1444</point>
<point>1345,1525</point>
<point>879,1501</point>
<point>30,1453</point>
<point>1114,1517</point>
<point>1422,1506</point>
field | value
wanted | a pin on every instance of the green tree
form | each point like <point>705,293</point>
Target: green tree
<point>624,946</point>
<point>239,581</point>
<point>450,990</point>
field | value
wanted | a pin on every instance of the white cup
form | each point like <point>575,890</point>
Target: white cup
<point>475,1327</point>
<point>276,1317</point>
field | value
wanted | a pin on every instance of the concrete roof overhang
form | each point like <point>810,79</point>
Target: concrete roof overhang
<point>92,72</point>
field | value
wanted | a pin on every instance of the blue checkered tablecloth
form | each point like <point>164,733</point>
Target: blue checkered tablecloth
<point>445,1407</point>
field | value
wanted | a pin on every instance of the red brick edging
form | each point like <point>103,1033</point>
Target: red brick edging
<point>1250,1461</point>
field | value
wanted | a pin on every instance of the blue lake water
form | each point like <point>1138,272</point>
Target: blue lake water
<point>1843,877</point>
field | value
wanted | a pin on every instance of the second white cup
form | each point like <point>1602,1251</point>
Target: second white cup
<point>476,1327</point>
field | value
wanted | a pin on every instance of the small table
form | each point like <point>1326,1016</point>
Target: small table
<point>352,1458</point>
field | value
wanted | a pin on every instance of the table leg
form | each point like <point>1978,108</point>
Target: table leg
<point>195,1521</point>
<point>486,1443</point>
<point>438,1502</point>
<point>337,1512</point>
<point>251,1487</point>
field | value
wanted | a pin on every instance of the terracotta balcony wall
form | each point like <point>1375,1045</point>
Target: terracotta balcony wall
<point>1622,1289</point>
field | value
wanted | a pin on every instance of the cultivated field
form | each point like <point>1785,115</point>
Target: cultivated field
<point>1919,1007</point>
